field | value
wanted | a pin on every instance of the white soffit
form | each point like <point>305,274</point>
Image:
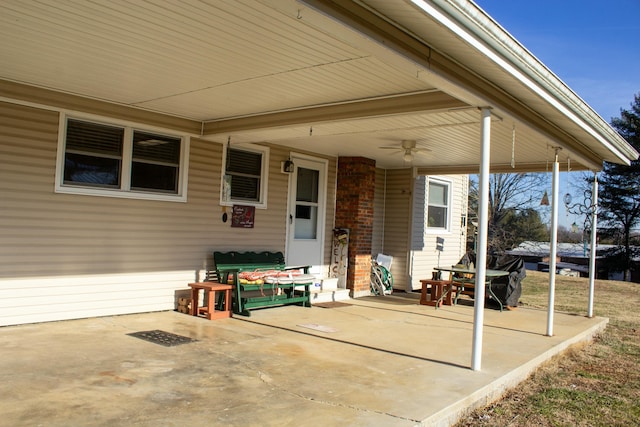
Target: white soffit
<point>215,61</point>
<point>553,100</point>
<point>192,59</point>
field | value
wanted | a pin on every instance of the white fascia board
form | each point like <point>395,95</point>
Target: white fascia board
<point>477,29</point>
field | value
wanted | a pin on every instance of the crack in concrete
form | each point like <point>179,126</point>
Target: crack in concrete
<point>265,378</point>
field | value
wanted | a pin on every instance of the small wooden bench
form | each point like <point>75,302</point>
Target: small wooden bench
<point>210,309</point>
<point>262,279</point>
<point>441,292</point>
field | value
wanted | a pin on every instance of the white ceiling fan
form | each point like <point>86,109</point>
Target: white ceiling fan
<point>408,147</point>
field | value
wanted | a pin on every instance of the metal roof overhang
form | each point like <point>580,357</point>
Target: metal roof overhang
<point>337,78</point>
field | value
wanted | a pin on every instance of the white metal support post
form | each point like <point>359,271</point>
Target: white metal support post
<point>553,243</point>
<point>483,232</point>
<point>594,243</point>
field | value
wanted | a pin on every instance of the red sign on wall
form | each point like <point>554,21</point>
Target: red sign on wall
<point>243,216</point>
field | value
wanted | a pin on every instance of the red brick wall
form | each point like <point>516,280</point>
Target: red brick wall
<point>354,210</point>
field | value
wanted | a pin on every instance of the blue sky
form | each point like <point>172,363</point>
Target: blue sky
<point>591,45</point>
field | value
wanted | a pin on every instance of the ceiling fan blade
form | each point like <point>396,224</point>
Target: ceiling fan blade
<point>408,144</point>
<point>407,148</point>
<point>421,153</point>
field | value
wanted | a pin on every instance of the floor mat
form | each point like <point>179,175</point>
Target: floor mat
<point>166,339</point>
<point>332,304</point>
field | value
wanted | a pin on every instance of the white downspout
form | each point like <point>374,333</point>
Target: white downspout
<point>594,243</point>
<point>483,233</point>
<point>554,243</point>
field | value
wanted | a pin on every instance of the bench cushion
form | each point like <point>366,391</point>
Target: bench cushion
<point>298,279</point>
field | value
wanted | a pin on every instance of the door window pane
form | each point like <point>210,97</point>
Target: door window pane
<point>306,222</point>
<point>307,188</point>
<point>306,225</point>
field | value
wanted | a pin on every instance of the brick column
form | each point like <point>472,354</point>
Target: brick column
<point>354,210</point>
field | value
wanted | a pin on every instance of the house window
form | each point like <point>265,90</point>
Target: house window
<point>93,155</point>
<point>155,163</point>
<point>105,159</point>
<point>438,205</point>
<point>244,179</point>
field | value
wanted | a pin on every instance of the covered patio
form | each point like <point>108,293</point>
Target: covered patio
<point>384,361</point>
<point>438,81</point>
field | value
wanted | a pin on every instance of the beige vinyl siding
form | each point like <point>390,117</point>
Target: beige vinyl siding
<point>397,223</point>
<point>377,243</point>
<point>330,220</point>
<point>424,254</point>
<point>59,100</point>
<point>65,256</point>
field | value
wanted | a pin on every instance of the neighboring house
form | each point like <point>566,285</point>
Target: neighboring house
<point>137,138</point>
<point>571,258</point>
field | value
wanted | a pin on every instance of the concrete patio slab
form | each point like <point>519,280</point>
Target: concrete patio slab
<point>379,361</point>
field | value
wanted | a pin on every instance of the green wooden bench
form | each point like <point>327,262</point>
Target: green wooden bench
<point>262,279</point>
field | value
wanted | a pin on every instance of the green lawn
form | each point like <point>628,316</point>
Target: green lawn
<point>597,384</point>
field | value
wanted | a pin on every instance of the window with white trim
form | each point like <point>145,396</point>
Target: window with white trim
<point>245,176</point>
<point>121,161</point>
<point>438,205</point>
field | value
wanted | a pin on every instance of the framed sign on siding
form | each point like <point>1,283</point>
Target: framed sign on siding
<point>243,216</point>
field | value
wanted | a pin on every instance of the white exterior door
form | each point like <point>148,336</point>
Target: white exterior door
<point>306,213</point>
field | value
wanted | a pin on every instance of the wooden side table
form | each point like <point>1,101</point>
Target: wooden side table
<point>209,303</point>
<point>440,292</point>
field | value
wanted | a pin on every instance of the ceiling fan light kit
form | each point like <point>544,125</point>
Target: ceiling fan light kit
<point>408,148</point>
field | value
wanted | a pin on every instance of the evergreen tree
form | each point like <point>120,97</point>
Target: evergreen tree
<point>619,193</point>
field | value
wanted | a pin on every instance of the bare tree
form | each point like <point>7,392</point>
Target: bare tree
<point>513,199</point>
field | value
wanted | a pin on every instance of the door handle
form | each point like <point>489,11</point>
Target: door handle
<point>290,219</point>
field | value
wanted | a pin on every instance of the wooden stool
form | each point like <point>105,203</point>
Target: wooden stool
<point>209,303</point>
<point>440,292</point>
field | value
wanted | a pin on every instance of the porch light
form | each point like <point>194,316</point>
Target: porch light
<point>407,155</point>
<point>287,166</point>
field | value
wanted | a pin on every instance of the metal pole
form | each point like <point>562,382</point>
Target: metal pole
<point>483,233</point>
<point>594,243</point>
<point>553,244</point>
